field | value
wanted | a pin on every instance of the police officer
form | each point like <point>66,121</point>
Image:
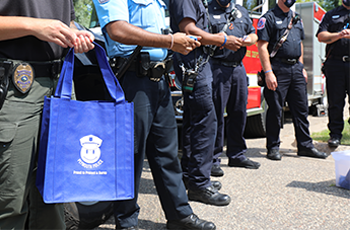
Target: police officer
<point>334,30</point>
<point>199,119</point>
<point>230,83</point>
<point>126,24</point>
<point>32,41</point>
<point>285,77</point>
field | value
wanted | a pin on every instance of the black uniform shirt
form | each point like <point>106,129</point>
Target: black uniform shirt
<point>241,26</point>
<point>193,9</point>
<point>30,48</point>
<point>334,21</point>
<point>271,27</point>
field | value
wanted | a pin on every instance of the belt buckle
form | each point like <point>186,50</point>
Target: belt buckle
<point>154,72</point>
<point>292,61</point>
<point>162,64</point>
<point>345,58</point>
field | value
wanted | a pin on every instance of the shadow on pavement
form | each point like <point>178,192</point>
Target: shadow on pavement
<point>326,187</point>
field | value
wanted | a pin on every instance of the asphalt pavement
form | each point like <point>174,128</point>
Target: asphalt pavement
<point>294,193</point>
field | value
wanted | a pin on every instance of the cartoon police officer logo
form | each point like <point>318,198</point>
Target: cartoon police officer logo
<point>90,151</point>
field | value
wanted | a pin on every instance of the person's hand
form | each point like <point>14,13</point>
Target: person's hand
<point>83,41</point>
<point>246,40</point>
<point>345,33</point>
<point>271,81</point>
<point>305,75</point>
<point>184,44</point>
<point>233,43</point>
<point>51,30</point>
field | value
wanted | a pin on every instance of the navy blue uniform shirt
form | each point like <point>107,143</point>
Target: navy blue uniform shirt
<point>334,21</point>
<point>271,27</point>
<point>193,9</point>
<point>241,26</point>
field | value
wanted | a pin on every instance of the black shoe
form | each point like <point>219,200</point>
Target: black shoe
<point>190,222</point>
<point>216,171</point>
<point>209,195</point>
<point>313,152</point>
<point>334,142</point>
<point>274,154</point>
<point>246,163</point>
<point>215,184</point>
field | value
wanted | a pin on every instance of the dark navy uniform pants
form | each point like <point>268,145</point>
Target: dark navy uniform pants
<point>199,131</point>
<point>291,88</point>
<point>337,82</point>
<point>230,92</point>
<point>155,137</point>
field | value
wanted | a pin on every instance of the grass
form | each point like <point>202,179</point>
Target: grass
<point>324,135</point>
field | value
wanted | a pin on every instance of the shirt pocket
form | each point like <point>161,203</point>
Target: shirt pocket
<point>337,24</point>
<point>146,13</point>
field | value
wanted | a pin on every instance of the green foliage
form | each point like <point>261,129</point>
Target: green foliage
<point>324,135</point>
<point>83,10</point>
<point>325,4</point>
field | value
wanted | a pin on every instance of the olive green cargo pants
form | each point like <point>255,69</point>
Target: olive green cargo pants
<point>20,200</point>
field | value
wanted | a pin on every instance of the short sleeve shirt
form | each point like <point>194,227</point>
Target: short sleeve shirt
<point>146,14</point>
<point>334,21</point>
<point>271,27</point>
<point>193,9</point>
<point>240,27</point>
<point>30,48</point>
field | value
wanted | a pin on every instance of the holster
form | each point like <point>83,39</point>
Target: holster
<point>5,70</point>
<point>261,78</point>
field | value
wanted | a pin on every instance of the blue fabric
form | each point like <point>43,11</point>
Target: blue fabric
<point>155,138</point>
<point>337,82</point>
<point>272,25</point>
<point>292,89</point>
<point>230,92</point>
<point>141,13</point>
<point>241,26</point>
<point>86,148</point>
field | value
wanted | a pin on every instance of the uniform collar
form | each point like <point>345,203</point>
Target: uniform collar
<point>279,11</point>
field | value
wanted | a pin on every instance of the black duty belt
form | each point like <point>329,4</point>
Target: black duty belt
<point>342,58</point>
<point>41,69</point>
<point>153,70</point>
<point>225,63</point>
<point>289,61</point>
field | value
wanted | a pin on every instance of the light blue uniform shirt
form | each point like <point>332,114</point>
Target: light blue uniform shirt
<point>146,14</point>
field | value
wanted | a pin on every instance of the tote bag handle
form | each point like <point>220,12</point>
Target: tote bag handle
<point>64,85</point>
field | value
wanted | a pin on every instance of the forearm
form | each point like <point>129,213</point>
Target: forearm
<point>327,37</point>
<point>12,27</point>
<point>264,55</point>
<point>126,33</point>
<point>188,26</point>
<point>301,58</point>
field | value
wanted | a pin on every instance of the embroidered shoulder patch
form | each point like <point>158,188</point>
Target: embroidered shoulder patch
<point>261,23</point>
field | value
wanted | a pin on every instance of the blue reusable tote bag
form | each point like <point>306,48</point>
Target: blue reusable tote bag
<point>86,150</point>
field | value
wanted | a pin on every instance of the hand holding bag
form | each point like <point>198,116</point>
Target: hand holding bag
<point>86,148</point>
